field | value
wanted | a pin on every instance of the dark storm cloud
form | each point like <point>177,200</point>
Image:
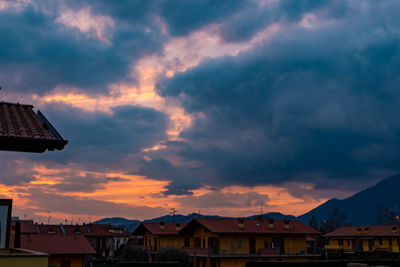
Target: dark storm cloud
<point>96,138</point>
<point>39,53</point>
<point>218,199</point>
<point>73,205</point>
<point>87,183</point>
<point>316,103</point>
<point>14,170</point>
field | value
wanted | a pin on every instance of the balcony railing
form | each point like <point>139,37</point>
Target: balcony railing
<point>202,252</point>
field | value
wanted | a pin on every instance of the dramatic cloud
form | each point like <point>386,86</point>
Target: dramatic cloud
<point>106,138</point>
<point>84,206</point>
<point>15,171</point>
<point>70,48</point>
<point>225,200</point>
<point>209,104</point>
<point>311,104</point>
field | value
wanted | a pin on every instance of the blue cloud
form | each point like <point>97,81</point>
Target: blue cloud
<point>308,104</point>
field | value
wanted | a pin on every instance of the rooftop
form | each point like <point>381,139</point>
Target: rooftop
<point>21,129</point>
<point>366,231</point>
<point>255,226</point>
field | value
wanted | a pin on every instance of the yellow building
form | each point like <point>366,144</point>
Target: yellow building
<point>216,242</point>
<point>157,235</point>
<point>365,239</point>
<point>23,257</point>
<point>232,242</point>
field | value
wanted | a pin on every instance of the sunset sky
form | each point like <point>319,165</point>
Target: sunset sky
<point>200,105</point>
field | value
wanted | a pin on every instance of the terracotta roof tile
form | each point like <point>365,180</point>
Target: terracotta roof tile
<point>57,244</point>
<point>366,231</point>
<point>27,226</point>
<point>21,129</point>
<point>255,226</point>
<point>169,228</point>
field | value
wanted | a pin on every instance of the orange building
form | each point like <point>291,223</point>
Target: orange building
<point>364,239</point>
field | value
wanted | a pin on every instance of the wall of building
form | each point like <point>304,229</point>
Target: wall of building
<point>76,261</point>
<point>24,261</point>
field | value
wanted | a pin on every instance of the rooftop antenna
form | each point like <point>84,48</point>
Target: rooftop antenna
<point>48,221</point>
<point>173,212</point>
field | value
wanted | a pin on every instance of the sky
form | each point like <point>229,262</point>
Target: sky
<point>203,106</point>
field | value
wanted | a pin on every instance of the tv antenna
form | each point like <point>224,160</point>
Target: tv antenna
<point>173,212</point>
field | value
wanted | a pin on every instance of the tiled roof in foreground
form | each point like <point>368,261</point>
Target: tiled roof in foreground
<point>21,129</point>
<point>57,244</point>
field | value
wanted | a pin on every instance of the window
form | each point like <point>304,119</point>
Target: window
<point>340,242</point>
<point>348,242</point>
<point>380,241</point>
<point>197,242</point>
<point>390,241</point>
<point>239,243</point>
<point>266,244</point>
<point>187,242</point>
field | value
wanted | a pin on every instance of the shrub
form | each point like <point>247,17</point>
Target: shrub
<point>135,253</point>
<point>148,264</point>
<point>172,254</point>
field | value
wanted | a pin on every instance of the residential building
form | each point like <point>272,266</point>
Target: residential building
<point>364,239</point>
<point>105,239</point>
<point>65,249</point>
<point>158,235</point>
<point>231,242</point>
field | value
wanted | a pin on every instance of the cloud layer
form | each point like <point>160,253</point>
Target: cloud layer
<point>293,92</point>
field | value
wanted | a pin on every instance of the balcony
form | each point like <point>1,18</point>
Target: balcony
<point>269,251</point>
<point>225,252</point>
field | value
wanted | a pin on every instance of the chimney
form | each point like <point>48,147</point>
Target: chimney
<point>17,236</point>
<point>286,224</point>
<point>178,227</point>
<point>271,224</point>
<point>162,225</point>
<point>241,223</point>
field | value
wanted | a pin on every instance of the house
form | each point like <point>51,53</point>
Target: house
<point>104,238</point>
<point>364,239</point>
<point>21,129</point>
<point>231,242</point>
<point>158,235</point>
<point>65,249</point>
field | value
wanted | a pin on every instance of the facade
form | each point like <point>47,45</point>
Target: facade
<point>158,235</point>
<point>23,257</point>
<point>364,239</point>
<point>104,238</point>
<point>231,242</point>
<point>65,249</point>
